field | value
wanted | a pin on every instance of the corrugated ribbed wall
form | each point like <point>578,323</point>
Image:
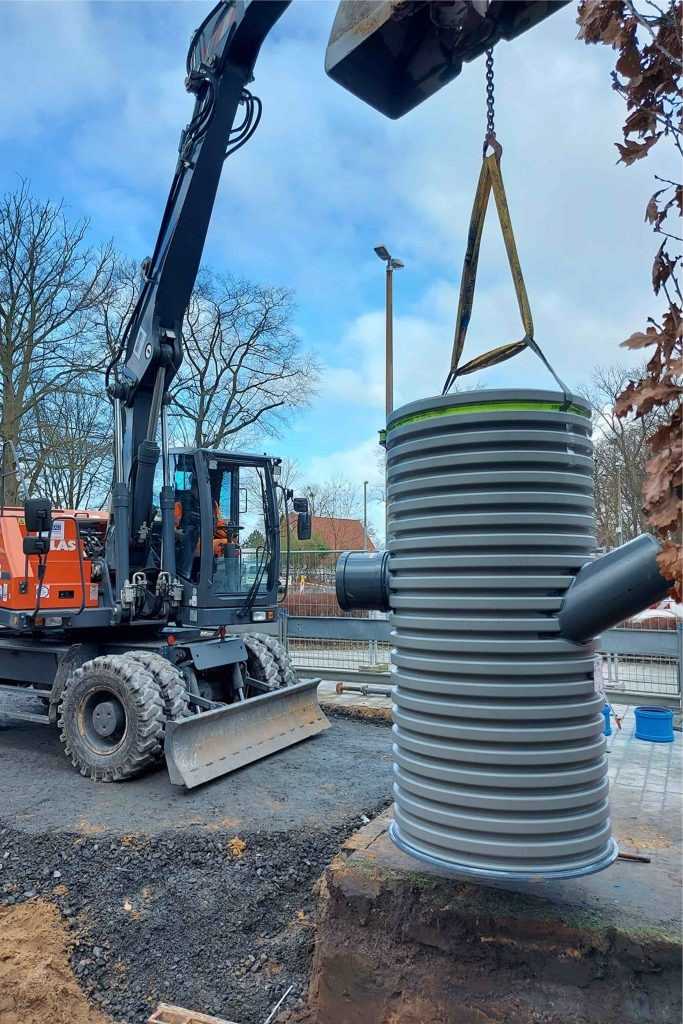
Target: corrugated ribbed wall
<point>499,757</point>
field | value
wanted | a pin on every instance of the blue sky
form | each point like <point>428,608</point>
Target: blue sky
<point>93,106</point>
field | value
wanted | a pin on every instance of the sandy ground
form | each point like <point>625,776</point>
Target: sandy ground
<point>37,984</point>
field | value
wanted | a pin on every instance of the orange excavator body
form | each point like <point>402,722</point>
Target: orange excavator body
<point>67,582</point>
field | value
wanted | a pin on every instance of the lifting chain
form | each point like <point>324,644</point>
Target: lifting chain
<point>491,180</point>
<point>490,101</point>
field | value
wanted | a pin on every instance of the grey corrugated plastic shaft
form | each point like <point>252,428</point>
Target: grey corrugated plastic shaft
<point>499,758</point>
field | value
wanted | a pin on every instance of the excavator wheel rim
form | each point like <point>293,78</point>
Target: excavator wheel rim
<point>135,689</point>
<point>101,699</point>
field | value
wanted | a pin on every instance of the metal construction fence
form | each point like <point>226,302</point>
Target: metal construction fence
<point>311,584</point>
<point>640,664</point>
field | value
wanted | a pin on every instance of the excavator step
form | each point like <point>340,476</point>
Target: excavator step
<point>214,743</point>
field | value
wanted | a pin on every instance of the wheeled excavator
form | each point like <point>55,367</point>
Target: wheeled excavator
<point>150,630</point>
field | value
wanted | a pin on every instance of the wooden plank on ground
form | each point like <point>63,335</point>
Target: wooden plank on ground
<point>167,1014</point>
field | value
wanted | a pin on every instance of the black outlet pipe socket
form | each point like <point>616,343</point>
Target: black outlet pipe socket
<point>362,580</point>
<point>500,766</point>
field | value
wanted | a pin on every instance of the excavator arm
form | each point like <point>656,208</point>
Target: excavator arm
<point>220,63</point>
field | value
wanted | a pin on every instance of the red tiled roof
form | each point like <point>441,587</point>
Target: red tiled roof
<point>337,534</point>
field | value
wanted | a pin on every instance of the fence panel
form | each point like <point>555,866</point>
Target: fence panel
<point>311,585</point>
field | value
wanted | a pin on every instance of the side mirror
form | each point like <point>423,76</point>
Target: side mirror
<point>300,504</point>
<point>303,526</point>
<point>38,515</point>
<point>36,545</point>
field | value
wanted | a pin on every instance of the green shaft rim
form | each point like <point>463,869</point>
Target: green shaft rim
<point>479,407</point>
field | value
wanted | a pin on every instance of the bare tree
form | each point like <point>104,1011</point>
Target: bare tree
<point>243,369</point>
<point>63,312</point>
<point>115,309</point>
<point>335,499</point>
<point>290,475</point>
<point>66,447</point>
<point>621,455</point>
<point>50,284</point>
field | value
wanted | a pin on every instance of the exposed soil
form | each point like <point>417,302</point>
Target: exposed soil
<point>375,713</point>
<point>398,944</point>
<point>211,914</point>
<point>198,920</point>
<point>37,983</point>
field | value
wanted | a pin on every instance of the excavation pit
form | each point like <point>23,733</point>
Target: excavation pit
<point>396,941</point>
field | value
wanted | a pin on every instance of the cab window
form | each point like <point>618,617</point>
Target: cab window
<point>240,558</point>
<point>187,519</point>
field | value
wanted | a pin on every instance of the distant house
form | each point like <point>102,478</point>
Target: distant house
<point>336,534</point>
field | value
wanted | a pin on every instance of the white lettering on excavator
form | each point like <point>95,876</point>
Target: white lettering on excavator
<point>62,545</point>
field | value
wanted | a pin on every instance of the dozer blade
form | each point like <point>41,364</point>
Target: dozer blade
<point>218,742</point>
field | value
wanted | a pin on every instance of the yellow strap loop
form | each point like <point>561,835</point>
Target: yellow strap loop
<point>491,180</point>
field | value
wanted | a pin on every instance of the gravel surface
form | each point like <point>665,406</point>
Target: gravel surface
<point>324,779</point>
<point>187,914</point>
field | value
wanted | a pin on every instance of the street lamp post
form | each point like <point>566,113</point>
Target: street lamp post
<point>365,515</point>
<point>391,265</point>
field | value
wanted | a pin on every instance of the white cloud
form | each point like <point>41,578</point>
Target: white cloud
<point>357,463</point>
<point>47,55</point>
<point>360,462</point>
<point>95,105</point>
<point>323,168</point>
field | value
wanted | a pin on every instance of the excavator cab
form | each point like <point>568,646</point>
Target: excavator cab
<point>227,536</point>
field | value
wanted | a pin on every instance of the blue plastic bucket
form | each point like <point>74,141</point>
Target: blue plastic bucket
<point>654,724</point>
<point>607,711</point>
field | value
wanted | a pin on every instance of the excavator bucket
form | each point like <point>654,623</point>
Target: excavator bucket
<point>214,743</point>
<point>393,54</point>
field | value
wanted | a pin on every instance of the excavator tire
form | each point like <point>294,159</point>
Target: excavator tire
<point>111,718</point>
<point>284,662</point>
<point>170,681</point>
<point>261,662</point>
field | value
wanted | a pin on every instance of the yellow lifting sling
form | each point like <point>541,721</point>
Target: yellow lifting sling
<point>491,180</point>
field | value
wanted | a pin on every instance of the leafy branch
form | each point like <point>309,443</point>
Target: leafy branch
<point>647,74</point>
